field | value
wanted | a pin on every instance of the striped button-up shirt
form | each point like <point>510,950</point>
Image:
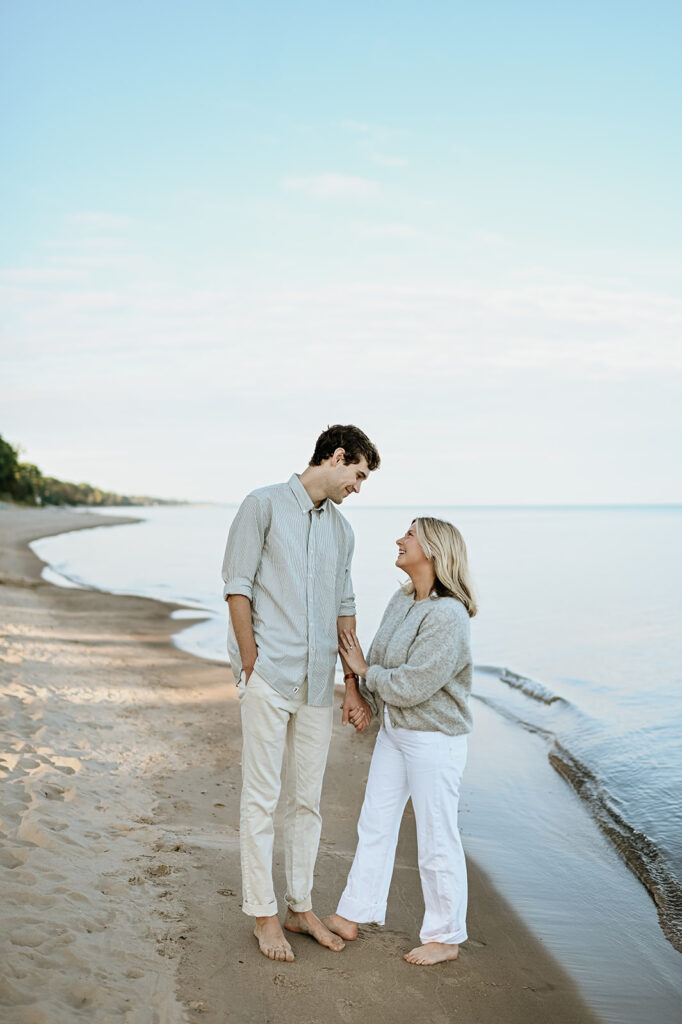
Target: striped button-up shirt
<point>292,561</point>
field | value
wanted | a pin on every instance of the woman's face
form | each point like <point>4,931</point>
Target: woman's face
<point>410,552</point>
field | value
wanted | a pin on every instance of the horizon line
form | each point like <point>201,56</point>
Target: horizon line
<point>503,505</point>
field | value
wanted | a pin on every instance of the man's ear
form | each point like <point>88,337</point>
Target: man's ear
<point>338,456</point>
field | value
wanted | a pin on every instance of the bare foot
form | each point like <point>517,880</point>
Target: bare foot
<point>307,924</point>
<point>341,926</point>
<point>271,939</point>
<point>432,953</point>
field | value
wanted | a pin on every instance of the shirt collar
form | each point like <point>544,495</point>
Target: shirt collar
<point>302,497</point>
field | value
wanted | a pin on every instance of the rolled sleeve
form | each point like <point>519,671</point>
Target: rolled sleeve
<point>347,606</point>
<point>238,586</point>
<point>244,548</point>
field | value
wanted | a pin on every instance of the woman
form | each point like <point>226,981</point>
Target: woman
<point>417,678</point>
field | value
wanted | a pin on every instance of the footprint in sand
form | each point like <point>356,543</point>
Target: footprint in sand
<point>159,870</point>
<point>31,935</point>
<point>27,764</point>
<point>346,1009</point>
<point>8,860</point>
<point>285,982</point>
<point>52,792</point>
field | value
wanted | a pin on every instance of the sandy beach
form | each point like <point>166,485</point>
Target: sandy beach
<point>120,848</point>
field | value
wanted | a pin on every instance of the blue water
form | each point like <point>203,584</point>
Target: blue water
<point>578,638</point>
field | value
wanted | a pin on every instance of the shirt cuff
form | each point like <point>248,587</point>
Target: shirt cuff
<point>240,585</point>
<point>347,607</point>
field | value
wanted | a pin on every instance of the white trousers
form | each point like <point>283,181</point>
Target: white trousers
<point>428,767</point>
<point>280,733</point>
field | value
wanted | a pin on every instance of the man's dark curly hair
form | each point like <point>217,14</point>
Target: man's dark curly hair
<point>354,442</point>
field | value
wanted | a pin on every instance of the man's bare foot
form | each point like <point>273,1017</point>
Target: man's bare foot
<point>341,926</point>
<point>271,939</point>
<point>432,953</point>
<point>306,923</point>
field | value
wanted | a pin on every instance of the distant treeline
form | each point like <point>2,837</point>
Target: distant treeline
<point>23,482</point>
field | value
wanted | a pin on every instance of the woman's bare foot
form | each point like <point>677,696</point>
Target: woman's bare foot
<point>432,953</point>
<point>341,926</point>
<point>271,939</point>
<point>305,923</point>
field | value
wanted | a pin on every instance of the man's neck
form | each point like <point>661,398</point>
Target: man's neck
<point>313,481</point>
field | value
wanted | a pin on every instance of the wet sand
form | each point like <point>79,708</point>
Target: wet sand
<point>119,862</point>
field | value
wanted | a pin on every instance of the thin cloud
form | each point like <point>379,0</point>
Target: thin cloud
<point>571,329</point>
<point>33,276</point>
<point>94,220</point>
<point>389,161</point>
<point>378,134</point>
<point>366,229</point>
<point>488,239</point>
<point>333,186</point>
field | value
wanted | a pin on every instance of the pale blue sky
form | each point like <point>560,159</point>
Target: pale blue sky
<point>227,225</point>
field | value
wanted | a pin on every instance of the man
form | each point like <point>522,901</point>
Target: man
<point>289,590</point>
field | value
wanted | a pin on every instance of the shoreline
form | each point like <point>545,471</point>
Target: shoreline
<point>170,846</point>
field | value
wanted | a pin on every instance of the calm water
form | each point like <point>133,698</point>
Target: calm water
<point>578,638</point>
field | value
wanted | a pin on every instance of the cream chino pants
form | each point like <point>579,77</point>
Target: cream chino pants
<point>281,737</point>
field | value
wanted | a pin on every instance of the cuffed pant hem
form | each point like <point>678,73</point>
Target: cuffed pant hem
<point>299,906</point>
<point>260,909</point>
<point>451,938</point>
<point>355,911</point>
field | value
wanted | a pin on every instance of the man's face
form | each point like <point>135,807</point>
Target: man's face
<point>345,480</point>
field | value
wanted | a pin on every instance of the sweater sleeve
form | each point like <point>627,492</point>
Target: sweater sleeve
<point>365,693</point>
<point>439,651</point>
<point>369,697</point>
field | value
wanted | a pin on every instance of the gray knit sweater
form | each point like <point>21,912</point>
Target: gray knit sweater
<point>420,665</point>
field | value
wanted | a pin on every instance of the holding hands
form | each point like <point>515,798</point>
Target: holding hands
<point>355,709</point>
<point>351,651</point>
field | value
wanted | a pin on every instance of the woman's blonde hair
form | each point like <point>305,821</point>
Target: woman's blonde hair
<point>443,543</point>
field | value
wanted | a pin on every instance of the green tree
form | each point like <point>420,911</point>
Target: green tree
<point>22,481</point>
<point>8,466</point>
<point>27,483</point>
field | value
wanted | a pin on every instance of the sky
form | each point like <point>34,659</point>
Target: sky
<point>228,225</point>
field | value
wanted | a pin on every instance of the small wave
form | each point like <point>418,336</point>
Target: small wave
<point>531,687</point>
<point>513,717</point>
<point>640,854</point>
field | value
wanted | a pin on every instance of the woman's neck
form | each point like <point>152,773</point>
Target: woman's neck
<point>423,583</point>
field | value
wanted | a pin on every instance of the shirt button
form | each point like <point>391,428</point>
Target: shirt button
<point>296,689</point>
